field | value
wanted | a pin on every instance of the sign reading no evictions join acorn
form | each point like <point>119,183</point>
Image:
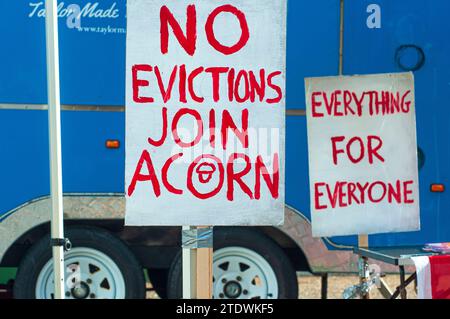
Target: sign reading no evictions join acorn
<point>205,112</point>
<point>362,154</point>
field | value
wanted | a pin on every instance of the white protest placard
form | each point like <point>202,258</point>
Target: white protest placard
<point>205,112</point>
<point>362,154</point>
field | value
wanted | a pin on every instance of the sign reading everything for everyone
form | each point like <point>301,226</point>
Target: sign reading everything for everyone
<point>205,112</point>
<point>362,154</point>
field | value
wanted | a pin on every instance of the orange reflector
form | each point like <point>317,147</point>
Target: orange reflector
<point>112,144</point>
<point>437,188</point>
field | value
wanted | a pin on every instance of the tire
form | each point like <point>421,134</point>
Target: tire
<point>158,278</point>
<point>108,268</point>
<point>252,251</point>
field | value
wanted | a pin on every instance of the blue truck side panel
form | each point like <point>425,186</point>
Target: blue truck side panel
<point>92,60</point>
<point>88,166</point>
<point>424,24</point>
<point>24,157</point>
<point>93,69</point>
<point>312,45</point>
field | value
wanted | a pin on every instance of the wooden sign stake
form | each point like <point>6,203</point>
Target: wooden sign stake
<point>363,265</point>
<point>204,273</point>
<point>363,241</point>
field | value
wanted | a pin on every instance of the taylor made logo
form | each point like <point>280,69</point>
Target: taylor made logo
<point>66,10</point>
<point>74,14</point>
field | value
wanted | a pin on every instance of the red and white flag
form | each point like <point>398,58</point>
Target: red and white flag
<point>433,277</point>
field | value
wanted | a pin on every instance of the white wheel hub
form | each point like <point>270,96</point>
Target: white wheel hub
<point>241,273</point>
<point>90,274</point>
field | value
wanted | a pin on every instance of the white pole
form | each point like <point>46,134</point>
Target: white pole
<point>54,127</point>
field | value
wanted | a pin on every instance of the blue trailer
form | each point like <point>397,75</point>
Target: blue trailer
<point>324,37</point>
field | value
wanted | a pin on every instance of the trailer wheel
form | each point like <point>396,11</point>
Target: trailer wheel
<point>99,266</point>
<point>246,265</point>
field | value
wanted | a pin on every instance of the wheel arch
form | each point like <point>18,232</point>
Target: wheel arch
<point>31,218</point>
<point>292,250</point>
